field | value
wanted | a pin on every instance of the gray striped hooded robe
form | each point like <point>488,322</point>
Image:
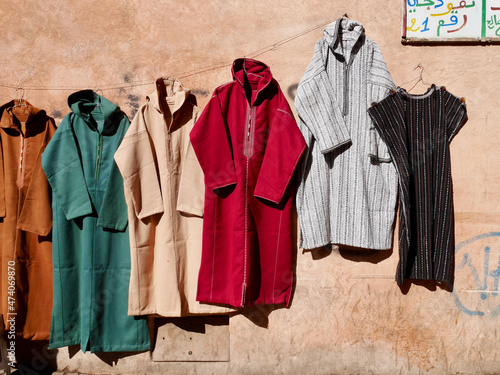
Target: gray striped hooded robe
<point>348,184</point>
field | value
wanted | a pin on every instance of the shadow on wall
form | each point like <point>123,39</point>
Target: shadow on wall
<point>34,357</point>
<point>431,285</point>
<point>354,254</point>
<point>110,358</point>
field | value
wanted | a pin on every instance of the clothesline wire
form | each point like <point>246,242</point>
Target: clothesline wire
<point>254,54</point>
<point>260,51</point>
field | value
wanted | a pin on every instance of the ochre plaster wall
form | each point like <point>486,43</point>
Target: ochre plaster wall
<point>348,315</point>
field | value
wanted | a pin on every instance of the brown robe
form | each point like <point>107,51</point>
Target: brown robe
<point>25,221</point>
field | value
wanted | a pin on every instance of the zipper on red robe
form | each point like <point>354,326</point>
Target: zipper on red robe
<point>248,151</point>
<point>244,286</point>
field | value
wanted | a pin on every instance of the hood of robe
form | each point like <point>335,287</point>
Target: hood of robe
<point>169,96</point>
<point>8,114</point>
<point>92,107</point>
<point>248,70</point>
<point>344,36</point>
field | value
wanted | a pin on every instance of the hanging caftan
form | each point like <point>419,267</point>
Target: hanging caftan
<point>25,220</point>
<point>91,251</point>
<point>348,185</point>
<point>248,145</point>
<point>165,194</point>
<point>418,130</point>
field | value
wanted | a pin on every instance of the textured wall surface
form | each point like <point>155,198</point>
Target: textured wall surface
<point>348,315</point>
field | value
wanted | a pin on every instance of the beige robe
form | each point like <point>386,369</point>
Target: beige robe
<point>164,190</point>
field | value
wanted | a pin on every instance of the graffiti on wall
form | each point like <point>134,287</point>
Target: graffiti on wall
<point>477,275</point>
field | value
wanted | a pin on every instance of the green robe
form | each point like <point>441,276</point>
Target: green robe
<point>91,250</point>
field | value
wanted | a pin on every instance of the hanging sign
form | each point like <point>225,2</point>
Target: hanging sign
<point>451,20</point>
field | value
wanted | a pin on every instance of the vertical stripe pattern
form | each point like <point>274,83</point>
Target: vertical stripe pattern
<point>348,184</point>
<point>418,130</point>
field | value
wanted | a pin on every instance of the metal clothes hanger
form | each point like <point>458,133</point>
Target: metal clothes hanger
<point>420,78</point>
<point>98,91</point>
<point>160,82</point>
<point>21,96</point>
<point>172,81</point>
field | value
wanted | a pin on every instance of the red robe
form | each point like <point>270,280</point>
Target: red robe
<point>248,145</point>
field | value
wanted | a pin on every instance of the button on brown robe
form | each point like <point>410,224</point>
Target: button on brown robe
<point>164,190</point>
<point>25,220</point>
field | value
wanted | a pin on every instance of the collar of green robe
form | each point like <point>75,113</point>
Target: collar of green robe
<point>95,110</point>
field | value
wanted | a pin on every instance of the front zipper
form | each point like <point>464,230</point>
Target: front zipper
<point>22,159</point>
<point>249,125</point>
<point>248,151</point>
<point>347,67</point>
<point>169,139</point>
<point>169,147</point>
<point>249,131</point>
<point>98,161</point>
<point>20,183</point>
<point>244,286</point>
<point>98,158</point>
<point>173,197</point>
<point>346,89</point>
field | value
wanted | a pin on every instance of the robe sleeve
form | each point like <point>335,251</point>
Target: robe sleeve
<point>455,114</point>
<point>113,213</point>
<point>211,142</point>
<point>319,109</point>
<point>191,196</point>
<point>36,215</point>
<point>380,84</point>
<point>136,162</point>
<point>284,148</point>
<point>63,168</point>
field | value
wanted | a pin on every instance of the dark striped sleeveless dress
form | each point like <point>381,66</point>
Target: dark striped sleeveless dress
<point>418,130</point>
